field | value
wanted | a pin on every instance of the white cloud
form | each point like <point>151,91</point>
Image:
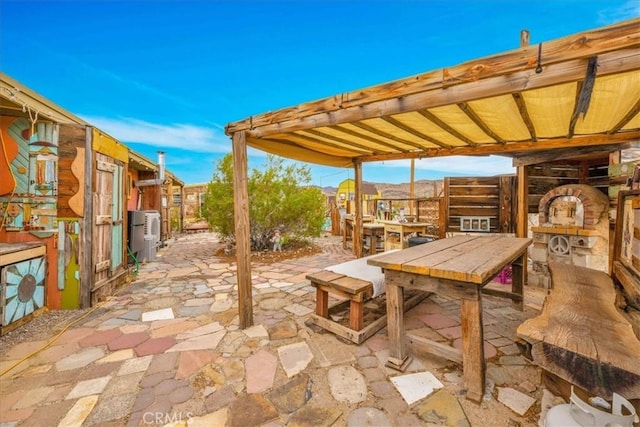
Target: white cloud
<point>183,136</point>
<point>628,10</point>
<point>467,165</point>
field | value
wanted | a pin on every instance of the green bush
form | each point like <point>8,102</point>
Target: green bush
<point>280,197</point>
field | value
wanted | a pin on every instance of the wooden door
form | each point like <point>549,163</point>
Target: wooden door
<point>103,218</point>
<point>117,215</point>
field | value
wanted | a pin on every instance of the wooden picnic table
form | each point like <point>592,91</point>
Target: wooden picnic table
<point>375,233</point>
<point>459,266</point>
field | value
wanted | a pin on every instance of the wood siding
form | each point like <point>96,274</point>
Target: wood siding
<point>491,197</point>
<point>71,138</point>
<point>544,177</point>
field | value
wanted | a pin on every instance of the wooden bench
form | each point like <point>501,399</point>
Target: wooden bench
<point>581,337</point>
<point>355,292</point>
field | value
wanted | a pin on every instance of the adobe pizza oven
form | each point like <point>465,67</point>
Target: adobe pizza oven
<point>573,229</point>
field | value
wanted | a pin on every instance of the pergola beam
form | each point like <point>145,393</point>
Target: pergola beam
<point>571,71</point>
<point>566,153</point>
<point>499,149</point>
<point>618,39</point>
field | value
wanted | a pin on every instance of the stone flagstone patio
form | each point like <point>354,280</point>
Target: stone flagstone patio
<point>167,350</point>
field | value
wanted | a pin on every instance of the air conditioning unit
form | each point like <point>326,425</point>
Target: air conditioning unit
<point>152,225</point>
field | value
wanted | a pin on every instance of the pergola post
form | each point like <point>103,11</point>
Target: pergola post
<point>241,215</point>
<point>522,219</point>
<point>357,224</point>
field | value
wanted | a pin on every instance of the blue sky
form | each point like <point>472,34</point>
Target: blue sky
<point>169,75</point>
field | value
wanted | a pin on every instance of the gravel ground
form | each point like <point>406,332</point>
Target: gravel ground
<point>42,327</point>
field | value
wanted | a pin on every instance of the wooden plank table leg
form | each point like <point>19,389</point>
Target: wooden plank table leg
<point>395,327</point>
<point>373,243</point>
<point>517,281</point>
<point>356,315</point>
<point>322,303</point>
<point>473,363</point>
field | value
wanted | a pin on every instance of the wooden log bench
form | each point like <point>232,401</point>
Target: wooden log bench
<point>581,337</point>
<point>355,283</point>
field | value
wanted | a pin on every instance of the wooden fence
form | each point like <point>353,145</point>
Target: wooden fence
<point>485,197</point>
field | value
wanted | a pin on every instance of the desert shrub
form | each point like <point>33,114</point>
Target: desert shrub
<point>280,197</point>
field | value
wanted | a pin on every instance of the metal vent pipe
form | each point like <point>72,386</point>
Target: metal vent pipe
<point>161,165</point>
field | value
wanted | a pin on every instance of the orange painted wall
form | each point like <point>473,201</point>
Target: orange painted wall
<point>132,196</point>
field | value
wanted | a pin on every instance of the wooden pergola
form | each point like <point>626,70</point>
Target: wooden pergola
<point>564,98</point>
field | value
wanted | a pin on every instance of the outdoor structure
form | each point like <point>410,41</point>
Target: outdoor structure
<point>194,195</point>
<point>346,193</point>
<point>151,187</point>
<point>63,188</point>
<point>193,202</point>
<point>574,229</point>
<point>63,204</point>
<point>91,214</point>
<point>575,98</point>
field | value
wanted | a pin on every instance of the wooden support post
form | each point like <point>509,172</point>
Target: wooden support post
<point>85,263</point>
<point>412,188</point>
<point>444,209</point>
<point>517,280</point>
<point>243,243</point>
<point>522,220</point>
<point>395,326</point>
<point>356,237</point>
<point>524,38</point>
<point>473,364</point>
<point>505,214</point>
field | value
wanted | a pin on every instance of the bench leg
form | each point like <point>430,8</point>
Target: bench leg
<point>356,315</point>
<point>473,363</point>
<point>322,303</point>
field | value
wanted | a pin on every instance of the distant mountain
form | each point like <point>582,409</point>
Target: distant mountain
<point>422,188</point>
<point>329,190</point>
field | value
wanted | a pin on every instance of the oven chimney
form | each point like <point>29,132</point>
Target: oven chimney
<point>161,165</point>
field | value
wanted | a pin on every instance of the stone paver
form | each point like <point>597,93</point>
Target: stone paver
<point>251,410</point>
<point>202,342</point>
<point>190,361</point>
<point>347,384</point>
<point>169,345</point>
<point>414,387</point>
<point>369,417</point>
<point>127,341</point>
<point>162,314</point>
<point>88,387</point>
<point>138,364</point>
<point>79,411</point>
<point>154,346</point>
<point>442,408</point>
<point>295,357</point>
<point>80,359</point>
<point>515,400</point>
<point>261,371</point>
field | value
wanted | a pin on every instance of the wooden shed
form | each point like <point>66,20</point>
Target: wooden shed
<point>66,191</point>
<point>560,99</point>
<point>150,187</point>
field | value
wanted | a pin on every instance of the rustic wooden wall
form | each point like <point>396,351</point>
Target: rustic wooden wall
<point>544,177</point>
<point>492,197</point>
<point>71,138</point>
